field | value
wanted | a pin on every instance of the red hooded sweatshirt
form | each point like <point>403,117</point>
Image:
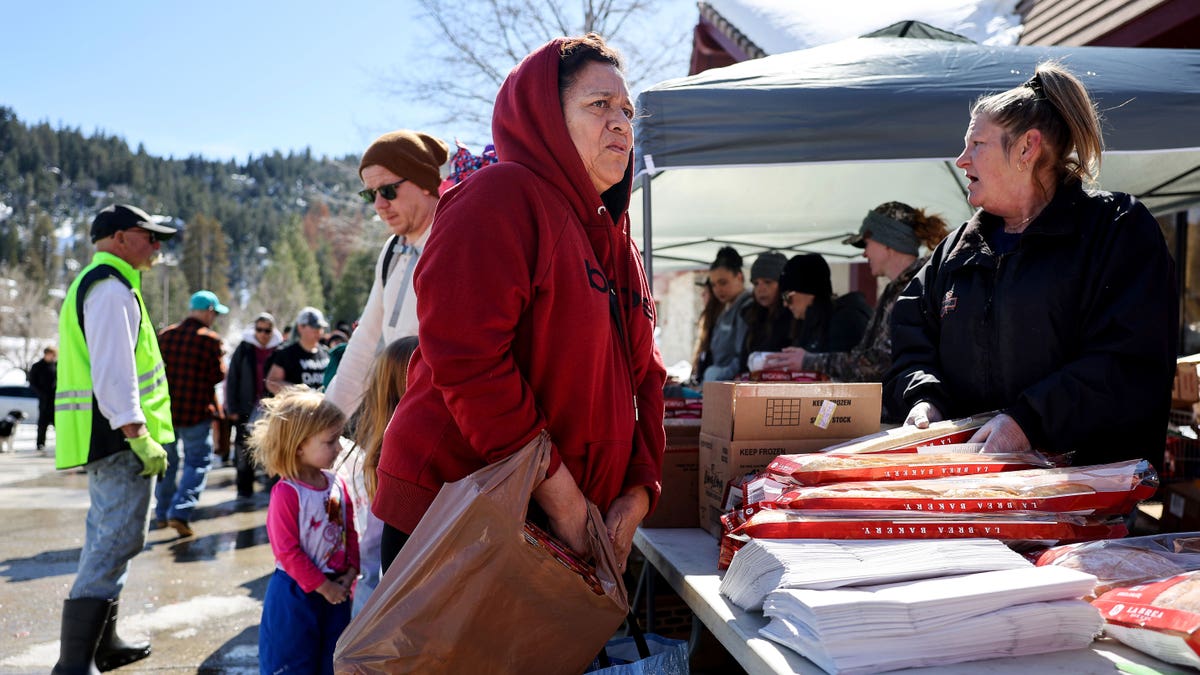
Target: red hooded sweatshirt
<point>518,292</point>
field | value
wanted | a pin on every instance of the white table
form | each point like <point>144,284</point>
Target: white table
<point>687,559</point>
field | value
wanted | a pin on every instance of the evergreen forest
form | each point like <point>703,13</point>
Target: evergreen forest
<point>271,233</point>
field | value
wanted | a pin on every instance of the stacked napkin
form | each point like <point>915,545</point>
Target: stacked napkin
<point>764,565</point>
<point>950,619</point>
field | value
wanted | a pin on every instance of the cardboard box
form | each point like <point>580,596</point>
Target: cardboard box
<point>723,460</point>
<point>1181,507</point>
<point>680,482</point>
<point>754,411</point>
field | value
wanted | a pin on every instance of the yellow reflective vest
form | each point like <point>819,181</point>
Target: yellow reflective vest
<point>82,433</point>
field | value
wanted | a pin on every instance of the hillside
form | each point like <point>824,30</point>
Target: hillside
<point>273,232</point>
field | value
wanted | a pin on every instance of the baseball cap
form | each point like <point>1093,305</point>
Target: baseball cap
<point>208,300</point>
<point>311,317</point>
<point>116,217</point>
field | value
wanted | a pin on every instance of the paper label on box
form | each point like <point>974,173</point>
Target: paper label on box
<point>825,414</point>
<point>1175,508</point>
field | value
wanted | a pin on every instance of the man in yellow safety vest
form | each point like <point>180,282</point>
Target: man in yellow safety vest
<point>112,413</point>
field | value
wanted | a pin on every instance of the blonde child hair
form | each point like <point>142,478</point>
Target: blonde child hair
<point>387,382</point>
<point>288,419</point>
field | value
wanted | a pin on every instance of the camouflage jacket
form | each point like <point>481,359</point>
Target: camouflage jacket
<point>871,358</point>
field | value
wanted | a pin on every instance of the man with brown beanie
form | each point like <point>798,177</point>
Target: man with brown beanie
<point>400,173</point>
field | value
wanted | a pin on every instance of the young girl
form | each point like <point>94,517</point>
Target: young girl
<point>386,383</point>
<point>310,523</point>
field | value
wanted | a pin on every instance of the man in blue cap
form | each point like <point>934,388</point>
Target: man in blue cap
<point>192,353</point>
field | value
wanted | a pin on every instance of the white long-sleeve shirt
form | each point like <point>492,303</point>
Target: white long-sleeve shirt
<point>111,315</point>
<point>390,314</point>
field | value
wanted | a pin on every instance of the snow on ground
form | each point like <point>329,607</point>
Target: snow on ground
<point>190,615</point>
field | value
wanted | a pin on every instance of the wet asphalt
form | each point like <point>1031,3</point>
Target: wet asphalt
<point>198,600</point>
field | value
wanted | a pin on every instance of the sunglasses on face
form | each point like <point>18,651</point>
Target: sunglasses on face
<point>265,331</point>
<point>151,236</point>
<point>388,191</point>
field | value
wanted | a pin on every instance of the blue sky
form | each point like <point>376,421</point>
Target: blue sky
<point>218,78</point>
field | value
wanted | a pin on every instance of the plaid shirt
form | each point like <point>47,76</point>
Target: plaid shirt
<point>192,355</point>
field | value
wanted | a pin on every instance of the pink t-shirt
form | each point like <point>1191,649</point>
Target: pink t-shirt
<point>311,530</point>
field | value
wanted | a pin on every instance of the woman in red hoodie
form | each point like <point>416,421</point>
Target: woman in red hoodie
<point>535,313</point>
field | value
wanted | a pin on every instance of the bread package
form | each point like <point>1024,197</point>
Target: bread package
<point>821,468</point>
<point>1013,526</point>
<point>1160,618</point>
<point>1125,562</point>
<point>912,439</point>
<point>1104,489</point>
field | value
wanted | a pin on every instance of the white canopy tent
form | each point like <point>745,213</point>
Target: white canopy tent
<point>790,151</point>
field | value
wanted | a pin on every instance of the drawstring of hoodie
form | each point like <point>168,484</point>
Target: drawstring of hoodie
<point>619,312</point>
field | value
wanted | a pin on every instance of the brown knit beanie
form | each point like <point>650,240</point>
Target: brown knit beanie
<point>409,154</point>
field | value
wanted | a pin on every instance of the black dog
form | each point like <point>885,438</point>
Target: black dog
<point>8,429</point>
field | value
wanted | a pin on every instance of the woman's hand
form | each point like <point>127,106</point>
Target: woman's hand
<point>560,497</point>
<point>922,414</point>
<point>1001,434</point>
<point>790,359</point>
<point>334,592</point>
<point>622,520</point>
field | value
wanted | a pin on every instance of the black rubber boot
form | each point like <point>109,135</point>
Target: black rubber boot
<point>82,622</point>
<point>112,652</point>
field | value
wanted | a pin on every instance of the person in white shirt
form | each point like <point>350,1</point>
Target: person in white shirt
<point>400,173</point>
<point>112,415</point>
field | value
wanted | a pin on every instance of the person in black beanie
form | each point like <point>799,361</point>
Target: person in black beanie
<point>769,326</point>
<point>831,323</point>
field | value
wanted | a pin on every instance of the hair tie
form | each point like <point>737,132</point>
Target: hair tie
<point>1035,83</point>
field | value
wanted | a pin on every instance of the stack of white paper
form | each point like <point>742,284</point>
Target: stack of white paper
<point>936,621</point>
<point>764,565</point>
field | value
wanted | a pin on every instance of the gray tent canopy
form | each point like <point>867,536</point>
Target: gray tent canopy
<point>790,151</point>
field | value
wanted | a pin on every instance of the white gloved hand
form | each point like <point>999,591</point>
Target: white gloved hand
<point>922,414</point>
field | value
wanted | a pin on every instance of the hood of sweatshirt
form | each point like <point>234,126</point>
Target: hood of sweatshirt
<point>528,128</point>
<point>276,338</point>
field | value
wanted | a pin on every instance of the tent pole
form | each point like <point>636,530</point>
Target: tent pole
<point>1181,272</point>
<point>647,244</point>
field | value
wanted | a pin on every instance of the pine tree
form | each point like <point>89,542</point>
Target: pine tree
<point>350,293</point>
<point>306,263</point>
<point>205,259</point>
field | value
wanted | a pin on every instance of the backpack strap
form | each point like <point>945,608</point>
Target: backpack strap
<point>387,258</point>
<point>97,273</point>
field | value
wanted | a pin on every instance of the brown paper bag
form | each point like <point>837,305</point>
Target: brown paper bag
<point>469,593</point>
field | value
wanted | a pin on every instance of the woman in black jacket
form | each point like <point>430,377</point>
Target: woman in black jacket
<point>244,388</point>
<point>830,323</point>
<point>1054,305</point>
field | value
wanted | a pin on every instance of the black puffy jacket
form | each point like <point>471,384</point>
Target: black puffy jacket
<point>1073,334</point>
<point>834,324</point>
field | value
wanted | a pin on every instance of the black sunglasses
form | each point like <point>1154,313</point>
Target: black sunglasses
<point>153,237</point>
<point>262,330</point>
<point>388,191</point>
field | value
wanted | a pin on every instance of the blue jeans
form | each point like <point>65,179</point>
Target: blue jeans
<point>116,525</point>
<point>177,503</point>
